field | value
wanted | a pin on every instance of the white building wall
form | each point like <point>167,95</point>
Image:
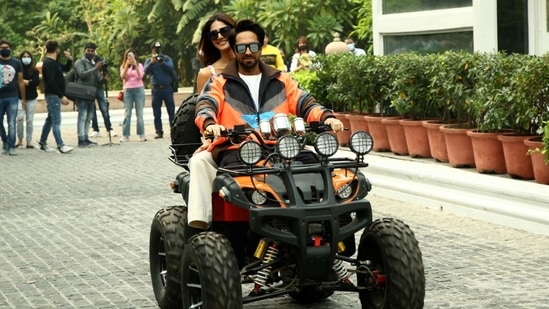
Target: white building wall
<point>481,18</point>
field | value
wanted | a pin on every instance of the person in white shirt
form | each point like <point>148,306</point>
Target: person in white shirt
<point>353,49</point>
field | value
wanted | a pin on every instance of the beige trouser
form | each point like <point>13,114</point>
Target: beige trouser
<point>203,170</point>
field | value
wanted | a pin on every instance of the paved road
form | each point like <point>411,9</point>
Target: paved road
<point>74,234</point>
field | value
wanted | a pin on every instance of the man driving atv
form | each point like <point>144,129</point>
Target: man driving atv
<point>245,92</point>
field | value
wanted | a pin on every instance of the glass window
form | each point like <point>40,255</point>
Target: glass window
<point>400,6</point>
<point>428,43</point>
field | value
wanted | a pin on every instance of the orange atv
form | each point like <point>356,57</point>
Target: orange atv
<point>283,225</point>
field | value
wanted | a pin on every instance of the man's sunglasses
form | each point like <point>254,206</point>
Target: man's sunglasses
<point>241,48</point>
<point>223,31</point>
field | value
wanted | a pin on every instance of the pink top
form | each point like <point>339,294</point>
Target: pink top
<point>132,80</point>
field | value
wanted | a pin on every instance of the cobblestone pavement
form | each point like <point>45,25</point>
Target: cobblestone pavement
<point>74,234</point>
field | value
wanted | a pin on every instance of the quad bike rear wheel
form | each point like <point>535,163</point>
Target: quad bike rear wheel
<point>210,277</point>
<point>165,249</point>
<point>396,269</point>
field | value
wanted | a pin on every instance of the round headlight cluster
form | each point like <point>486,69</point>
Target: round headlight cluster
<point>361,142</point>
<point>326,144</point>
<point>345,191</point>
<point>249,152</point>
<point>288,147</point>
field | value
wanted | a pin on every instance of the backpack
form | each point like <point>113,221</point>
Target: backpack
<point>184,132</point>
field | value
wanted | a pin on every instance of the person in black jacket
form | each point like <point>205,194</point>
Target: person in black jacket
<point>25,116</point>
<point>54,90</point>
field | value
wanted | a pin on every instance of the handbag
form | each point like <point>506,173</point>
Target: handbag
<point>78,91</point>
<point>120,96</point>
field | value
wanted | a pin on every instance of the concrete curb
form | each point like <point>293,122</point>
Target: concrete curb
<point>499,199</point>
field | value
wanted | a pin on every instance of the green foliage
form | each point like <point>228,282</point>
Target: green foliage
<point>545,140</point>
<point>306,79</point>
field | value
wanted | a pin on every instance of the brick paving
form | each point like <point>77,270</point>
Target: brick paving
<point>74,234</point>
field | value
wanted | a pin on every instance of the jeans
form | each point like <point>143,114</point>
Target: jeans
<point>85,114</point>
<point>25,117</point>
<point>9,106</point>
<point>134,97</point>
<point>53,120</point>
<point>104,108</point>
<point>159,95</point>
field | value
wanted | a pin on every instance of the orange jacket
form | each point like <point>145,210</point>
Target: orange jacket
<point>226,99</point>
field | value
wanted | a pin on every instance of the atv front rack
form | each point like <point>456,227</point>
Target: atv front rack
<point>181,153</point>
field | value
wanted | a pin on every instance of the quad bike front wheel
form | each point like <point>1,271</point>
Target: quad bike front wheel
<point>166,246</point>
<point>210,277</point>
<point>396,272</point>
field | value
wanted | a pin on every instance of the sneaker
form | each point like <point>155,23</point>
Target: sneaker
<point>95,134</point>
<point>83,144</point>
<point>124,139</point>
<point>5,148</point>
<point>64,149</point>
<point>12,152</point>
<point>142,138</point>
<point>90,143</point>
<point>159,135</point>
<point>45,147</point>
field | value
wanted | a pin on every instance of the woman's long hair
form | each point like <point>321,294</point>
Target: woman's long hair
<point>207,51</point>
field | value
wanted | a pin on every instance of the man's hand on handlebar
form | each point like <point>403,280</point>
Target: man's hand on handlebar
<point>335,124</point>
<point>214,129</point>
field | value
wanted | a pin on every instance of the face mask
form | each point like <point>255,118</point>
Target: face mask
<point>26,60</point>
<point>351,46</point>
<point>90,56</point>
<point>5,52</point>
<point>303,47</point>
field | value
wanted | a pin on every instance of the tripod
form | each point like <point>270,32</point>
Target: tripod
<point>110,143</point>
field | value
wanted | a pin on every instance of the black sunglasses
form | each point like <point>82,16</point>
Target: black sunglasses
<point>223,31</point>
<point>241,48</point>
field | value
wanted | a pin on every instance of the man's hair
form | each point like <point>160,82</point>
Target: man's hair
<point>2,41</point>
<point>90,45</point>
<point>51,46</point>
<point>247,25</point>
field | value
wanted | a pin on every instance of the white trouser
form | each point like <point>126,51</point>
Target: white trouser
<point>203,170</point>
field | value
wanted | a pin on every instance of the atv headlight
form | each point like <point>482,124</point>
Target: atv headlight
<point>326,144</point>
<point>344,191</point>
<point>288,147</point>
<point>249,152</point>
<point>361,142</point>
<point>258,197</point>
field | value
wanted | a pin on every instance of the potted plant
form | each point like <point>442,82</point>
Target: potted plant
<point>538,149</point>
<point>378,74</point>
<point>526,106</point>
<point>451,87</point>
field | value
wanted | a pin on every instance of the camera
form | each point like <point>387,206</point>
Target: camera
<point>159,58</point>
<point>105,64</point>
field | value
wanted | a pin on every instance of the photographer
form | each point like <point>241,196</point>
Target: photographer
<point>161,69</point>
<point>102,88</point>
<point>88,72</point>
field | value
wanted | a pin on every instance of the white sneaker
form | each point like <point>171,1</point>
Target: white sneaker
<point>64,149</point>
<point>95,134</point>
<point>124,139</point>
<point>45,147</point>
<point>142,138</point>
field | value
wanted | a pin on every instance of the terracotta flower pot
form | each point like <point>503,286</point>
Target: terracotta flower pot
<point>416,138</point>
<point>541,169</point>
<point>343,136</point>
<point>395,133</point>
<point>518,164</point>
<point>458,146</point>
<point>488,152</point>
<point>378,132</point>
<point>437,143</point>
<point>357,123</point>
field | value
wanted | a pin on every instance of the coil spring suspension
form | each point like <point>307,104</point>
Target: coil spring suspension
<point>261,278</point>
<point>340,270</point>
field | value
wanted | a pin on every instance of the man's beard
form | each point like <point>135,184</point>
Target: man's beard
<point>248,65</point>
